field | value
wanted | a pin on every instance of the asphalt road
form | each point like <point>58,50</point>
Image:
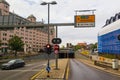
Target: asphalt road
<point>80,71</point>
<point>24,73</point>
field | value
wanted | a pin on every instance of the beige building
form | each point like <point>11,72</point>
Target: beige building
<point>34,39</point>
<point>4,7</point>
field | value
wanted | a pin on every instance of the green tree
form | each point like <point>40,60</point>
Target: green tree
<point>62,47</point>
<point>15,44</point>
<point>94,46</point>
<point>76,47</point>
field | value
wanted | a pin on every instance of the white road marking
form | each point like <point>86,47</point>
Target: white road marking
<point>19,70</point>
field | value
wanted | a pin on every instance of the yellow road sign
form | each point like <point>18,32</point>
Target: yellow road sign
<point>84,20</point>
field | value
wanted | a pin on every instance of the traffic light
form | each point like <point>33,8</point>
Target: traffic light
<point>56,47</point>
<point>56,40</point>
<point>48,49</point>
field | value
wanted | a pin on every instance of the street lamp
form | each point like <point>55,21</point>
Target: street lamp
<point>48,3</point>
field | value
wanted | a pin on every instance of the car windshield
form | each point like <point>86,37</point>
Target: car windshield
<point>12,61</point>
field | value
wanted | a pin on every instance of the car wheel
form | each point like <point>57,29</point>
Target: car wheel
<point>23,65</point>
<point>2,68</point>
<point>7,68</point>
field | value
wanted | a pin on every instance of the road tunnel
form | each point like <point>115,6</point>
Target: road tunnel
<point>66,53</point>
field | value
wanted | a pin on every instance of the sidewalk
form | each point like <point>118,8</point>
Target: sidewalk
<point>54,74</point>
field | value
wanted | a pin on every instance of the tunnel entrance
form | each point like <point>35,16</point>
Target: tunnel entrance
<point>66,53</point>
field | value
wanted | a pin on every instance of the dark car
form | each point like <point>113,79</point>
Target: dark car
<point>13,64</point>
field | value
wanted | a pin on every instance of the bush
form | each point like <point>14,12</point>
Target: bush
<point>111,56</point>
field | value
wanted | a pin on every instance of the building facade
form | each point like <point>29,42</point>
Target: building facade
<point>83,45</point>
<point>34,39</point>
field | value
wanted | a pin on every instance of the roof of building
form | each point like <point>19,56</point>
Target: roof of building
<point>14,18</point>
<point>82,44</point>
<point>4,1</point>
<point>19,18</point>
<point>31,16</point>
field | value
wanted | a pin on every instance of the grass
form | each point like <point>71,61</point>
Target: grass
<point>111,56</point>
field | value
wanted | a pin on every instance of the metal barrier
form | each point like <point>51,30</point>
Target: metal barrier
<point>114,63</point>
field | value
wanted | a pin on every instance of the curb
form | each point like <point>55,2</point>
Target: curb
<point>66,73</point>
<point>62,76</point>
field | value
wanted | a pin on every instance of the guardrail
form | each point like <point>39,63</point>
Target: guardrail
<point>101,59</point>
<point>105,61</point>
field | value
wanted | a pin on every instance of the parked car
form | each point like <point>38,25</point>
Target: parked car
<point>95,50</point>
<point>16,63</point>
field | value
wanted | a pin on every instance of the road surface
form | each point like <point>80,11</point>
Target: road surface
<point>80,71</point>
<point>24,73</point>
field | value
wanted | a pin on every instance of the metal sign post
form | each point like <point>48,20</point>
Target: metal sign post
<point>48,70</point>
<point>56,59</point>
<point>56,41</point>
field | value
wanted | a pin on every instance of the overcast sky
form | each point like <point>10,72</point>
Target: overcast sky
<point>64,12</point>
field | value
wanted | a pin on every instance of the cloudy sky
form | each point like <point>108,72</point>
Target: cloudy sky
<point>64,12</point>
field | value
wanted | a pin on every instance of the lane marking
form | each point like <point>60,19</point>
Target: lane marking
<point>68,68</point>
<point>19,70</point>
<point>24,70</point>
<point>36,75</point>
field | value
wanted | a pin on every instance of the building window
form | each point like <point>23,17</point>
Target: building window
<point>22,29</point>
<point>17,32</point>
<point>11,35</point>
<point>26,38</point>
<point>4,34</point>
<point>26,41</point>
<point>4,44</point>
<point>6,6</point>
<point>4,39</point>
<point>30,32</point>
<point>22,33</point>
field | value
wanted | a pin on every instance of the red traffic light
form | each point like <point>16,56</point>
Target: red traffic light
<point>56,47</point>
<point>48,46</point>
<point>48,49</point>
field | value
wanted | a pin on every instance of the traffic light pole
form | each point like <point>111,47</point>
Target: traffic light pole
<point>56,55</point>
<point>56,61</point>
<point>48,65</point>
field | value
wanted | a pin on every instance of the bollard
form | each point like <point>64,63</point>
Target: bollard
<point>48,75</point>
<point>115,64</point>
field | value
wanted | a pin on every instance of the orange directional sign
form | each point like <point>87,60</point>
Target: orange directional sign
<point>84,20</point>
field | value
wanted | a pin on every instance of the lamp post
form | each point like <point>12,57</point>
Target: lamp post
<point>48,3</point>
